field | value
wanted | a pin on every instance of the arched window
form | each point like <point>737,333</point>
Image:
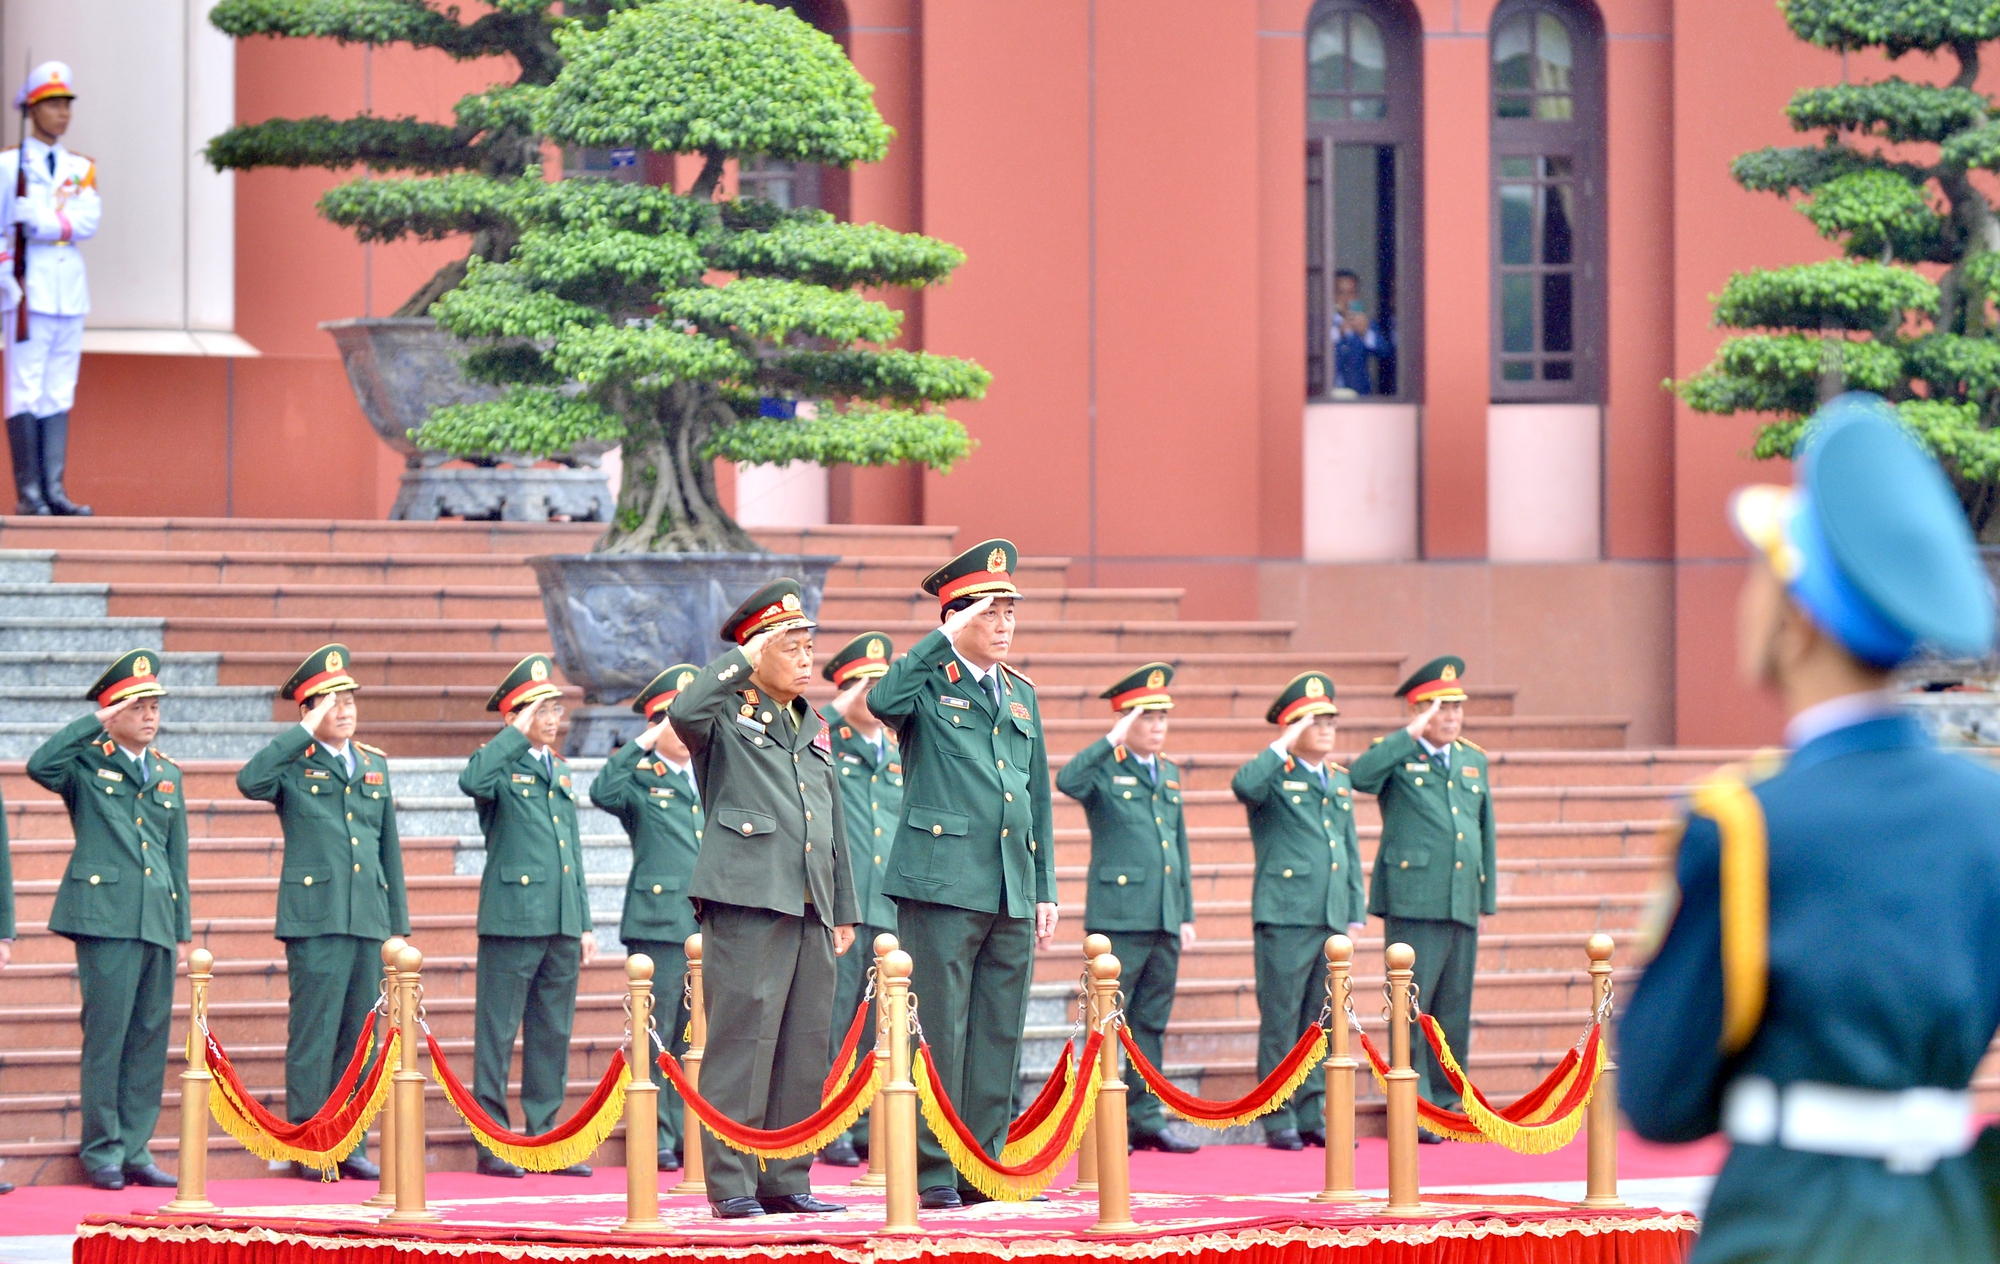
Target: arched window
<point>1364,126</point>
<point>1548,181</point>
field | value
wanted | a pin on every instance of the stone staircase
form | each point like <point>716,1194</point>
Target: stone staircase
<point>436,613</point>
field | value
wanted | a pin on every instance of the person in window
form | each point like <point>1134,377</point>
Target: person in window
<point>1356,340</point>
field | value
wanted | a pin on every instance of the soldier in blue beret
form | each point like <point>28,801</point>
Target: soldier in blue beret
<point>1830,976</point>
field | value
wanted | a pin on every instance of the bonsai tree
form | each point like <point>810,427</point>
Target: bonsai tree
<point>686,328</point>
<point>1926,339</point>
<point>491,143</point>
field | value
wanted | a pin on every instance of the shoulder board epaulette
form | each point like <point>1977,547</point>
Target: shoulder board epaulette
<point>1018,672</point>
<point>1378,741</point>
<point>1336,765</point>
<point>1472,745</point>
<point>160,754</point>
<point>373,750</point>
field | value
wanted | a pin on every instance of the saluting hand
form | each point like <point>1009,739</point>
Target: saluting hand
<point>317,713</point>
<point>753,649</point>
<point>1293,733</point>
<point>525,718</point>
<point>1416,727</point>
<point>1118,731</point>
<point>848,699</point>
<point>963,619</point>
<point>104,714</point>
<point>651,736</point>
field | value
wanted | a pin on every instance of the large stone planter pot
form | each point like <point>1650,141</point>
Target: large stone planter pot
<point>402,367</point>
<point>616,620</point>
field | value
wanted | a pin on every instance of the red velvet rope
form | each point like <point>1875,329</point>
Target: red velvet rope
<point>477,1116</point>
<point>333,1121</point>
<point>1458,1121</point>
<point>1045,1101</point>
<point>1446,1120</point>
<point>1188,1106</point>
<point>754,1139</point>
<point>844,1060</point>
<point>1052,1151</point>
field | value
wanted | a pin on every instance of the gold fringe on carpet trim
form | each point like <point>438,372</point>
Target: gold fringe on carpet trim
<point>557,1155</point>
<point>978,1170</point>
<point>236,1121</point>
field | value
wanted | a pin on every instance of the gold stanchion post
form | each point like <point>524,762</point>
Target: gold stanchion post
<point>409,1102</point>
<point>876,1175</point>
<point>1114,1173</point>
<point>385,1186</point>
<point>1339,1077</point>
<point>1403,1197</point>
<point>899,1117</point>
<point>1601,1173</point>
<point>692,1181</point>
<point>192,1194</point>
<point>1094,946</point>
<point>642,1107</point>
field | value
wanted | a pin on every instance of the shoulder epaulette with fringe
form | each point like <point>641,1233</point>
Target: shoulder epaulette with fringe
<point>1018,672</point>
<point>1378,741</point>
<point>373,750</point>
<point>1472,744</point>
<point>160,754</point>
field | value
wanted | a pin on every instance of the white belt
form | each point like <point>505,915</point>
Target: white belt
<point>1909,1130</point>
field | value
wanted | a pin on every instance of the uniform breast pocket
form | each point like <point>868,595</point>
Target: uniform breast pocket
<point>933,856</point>
<point>95,894</point>
<point>1117,877</point>
<point>522,886</point>
<point>744,823</point>
<point>305,895</point>
<point>652,899</point>
<point>957,717</point>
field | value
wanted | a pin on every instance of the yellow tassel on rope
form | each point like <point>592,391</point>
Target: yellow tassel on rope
<point>1279,1096</point>
<point>551,1158</point>
<point>1030,1145</point>
<point>824,1137</point>
<point>1541,1138</point>
<point>1450,1134</point>
<point>977,1169</point>
<point>236,1121</point>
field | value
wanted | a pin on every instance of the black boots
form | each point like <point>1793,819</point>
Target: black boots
<point>55,450</point>
<point>25,443</point>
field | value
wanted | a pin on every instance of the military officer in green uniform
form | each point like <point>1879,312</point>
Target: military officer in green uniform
<point>1435,870</point>
<point>871,794</point>
<point>773,893</point>
<point>123,900</point>
<point>534,913</point>
<point>1307,886</point>
<point>974,875</point>
<point>1140,888</point>
<point>649,786</point>
<point>6,918</point>
<point>340,890</point>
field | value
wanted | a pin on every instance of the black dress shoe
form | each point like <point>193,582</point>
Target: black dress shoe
<point>108,1177</point>
<point>1163,1141</point>
<point>804,1204</point>
<point>574,1169</point>
<point>1428,1138</point>
<point>307,1173</point>
<point>736,1209</point>
<point>1285,1139</point>
<point>940,1198</point>
<point>669,1161</point>
<point>6,1187</point>
<point>358,1167</point>
<point>973,1197</point>
<point>149,1174</point>
<point>840,1154</point>
<point>494,1165</point>
<point>1313,1136</point>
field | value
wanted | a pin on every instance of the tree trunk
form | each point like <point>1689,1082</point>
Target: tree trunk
<point>668,501</point>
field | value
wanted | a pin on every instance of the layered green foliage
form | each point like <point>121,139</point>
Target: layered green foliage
<point>671,323</point>
<point>1870,320</point>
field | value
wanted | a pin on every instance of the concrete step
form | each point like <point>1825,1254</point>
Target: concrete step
<point>1246,702</point>
<point>75,671</point>
<point>57,705</point>
<point>909,604</point>
<point>1269,670</point>
<point>294,535</point>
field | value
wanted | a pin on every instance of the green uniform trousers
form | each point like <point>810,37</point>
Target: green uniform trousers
<point>1291,991</point>
<point>1149,965</point>
<point>527,984</point>
<point>128,1004</point>
<point>334,980</point>
<point>1447,956</point>
<point>765,978</point>
<point>670,1011</point>
<point>970,975</point>
<point>847,997</point>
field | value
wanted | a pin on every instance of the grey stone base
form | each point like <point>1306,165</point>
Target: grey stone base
<point>504,493</point>
<point>595,732</point>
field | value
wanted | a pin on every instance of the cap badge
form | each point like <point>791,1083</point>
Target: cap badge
<point>1449,673</point>
<point>1315,687</point>
<point>333,662</point>
<point>875,649</point>
<point>1157,680</point>
<point>790,601</point>
<point>142,666</point>
<point>682,681</point>
<point>996,561</point>
<point>538,670</point>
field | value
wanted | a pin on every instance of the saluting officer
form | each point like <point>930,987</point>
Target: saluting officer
<point>340,891</point>
<point>123,900</point>
<point>871,794</point>
<point>1307,886</point>
<point>974,876</point>
<point>1830,979</point>
<point>1140,886</point>
<point>534,913</point>
<point>649,786</point>
<point>773,892</point>
<point>1435,870</point>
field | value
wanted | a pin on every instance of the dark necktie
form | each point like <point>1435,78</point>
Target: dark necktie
<point>1320,772</point>
<point>52,164</point>
<point>993,688</point>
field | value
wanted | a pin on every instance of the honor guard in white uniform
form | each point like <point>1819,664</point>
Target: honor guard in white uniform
<point>48,203</point>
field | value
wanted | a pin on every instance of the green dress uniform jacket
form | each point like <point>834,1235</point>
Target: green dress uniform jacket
<point>6,879</point>
<point>1437,860</point>
<point>769,791</point>
<point>1308,863</point>
<point>978,828</point>
<point>1139,866</point>
<point>127,878</point>
<point>533,885</point>
<point>871,792</point>
<point>343,869</point>
<point>662,814</point>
